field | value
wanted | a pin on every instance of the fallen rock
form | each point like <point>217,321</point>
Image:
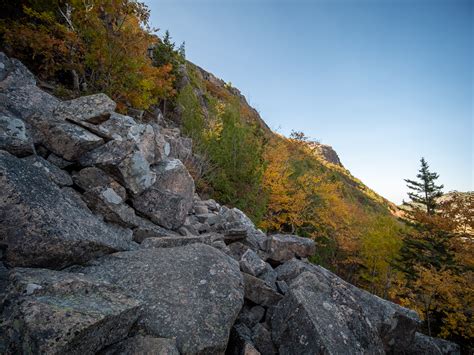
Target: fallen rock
<point>284,247</point>
<point>53,312</point>
<point>14,138</point>
<point>240,342</point>
<point>58,161</point>
<point>19,95</point>
<point>179,241</point>
<point>170,198</point>
<point>146,229</point>
<point>58,176</point>
<point>250,316</point>
<point>41,226</point>
<point>126,159</point>
<point>259,292</point>
<point>313,318</point>
<point>143,345</point>
<point>67,140</point>
<point>395,325</point>
<point>251,263</point>
<point>423,344</point>
<point>110,204</point>
<point>191,293</point>
<point>262,338</point>
<point>93,109</point>
<point>92,177</point>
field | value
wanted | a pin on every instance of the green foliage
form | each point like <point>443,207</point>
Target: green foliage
<point>380,246</point>
<point>236,149</point>
<point>165,52</point>
<point>193,123</point>
<point>425,191</point>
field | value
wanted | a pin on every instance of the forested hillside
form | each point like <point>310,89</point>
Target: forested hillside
<point>284,184</point>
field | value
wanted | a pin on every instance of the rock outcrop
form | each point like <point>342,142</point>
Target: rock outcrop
<point>106,249</point>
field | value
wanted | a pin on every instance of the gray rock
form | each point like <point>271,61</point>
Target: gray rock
<point>191,293</point>
<point>53,312</point>
<point>282,287</point>
<point>123,160</point>
<point>284,247</point>
<point>92,109</point>
<point>201,209</point>
<point>259,292</point>
<point>178,241</point>
<point>395,325</point>
<point>67,140</point>
<point>291,269</point>
<point>58,161</point>
<point>252,264</point>
<point>262,338</point>
<point>41,226</point>
<point>237,249</point>
<point>14,138</point>
<point>269,276</point>
<point>312,318</point>
<point>250,316</point>
<point>423,344</point>
<point>180,147</point>
<point>147,229</point>
<point>19,95</point>
<point>110,204</point>
<point>169,200</point>
<point>58,176</point>
<point>240,342</point>
<point>143,345</point>
<point>92,177</point>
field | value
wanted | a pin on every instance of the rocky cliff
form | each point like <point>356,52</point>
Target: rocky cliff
<point>107,249</point>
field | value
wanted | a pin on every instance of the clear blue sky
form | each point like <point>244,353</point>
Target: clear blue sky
<point>383,82</point>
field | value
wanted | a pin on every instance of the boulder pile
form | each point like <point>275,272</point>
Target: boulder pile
<point>106,248</point>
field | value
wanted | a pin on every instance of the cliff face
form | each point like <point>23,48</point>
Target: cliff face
<point>107,249</point>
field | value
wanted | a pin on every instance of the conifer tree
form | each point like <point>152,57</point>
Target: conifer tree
<point>425,191</point>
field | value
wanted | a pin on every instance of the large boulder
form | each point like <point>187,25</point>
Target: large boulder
<point>91,109</point>
<point>54,312</point>
<point>143,345</point>
<point>170,198</point>
<point>128,156</point>
<point>64,139</point>
<point>191,293</point>
<point>395,325</point>
<point>313,318</point>
<point>260,292</point>
<point>42,226</point>
<point>423,344</point>
<point>284,247</point>
<point>14,137</point>
<point>19,95</point>
<point>58,176</point>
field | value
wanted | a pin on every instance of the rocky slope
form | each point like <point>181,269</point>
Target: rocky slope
<point>107,249</point>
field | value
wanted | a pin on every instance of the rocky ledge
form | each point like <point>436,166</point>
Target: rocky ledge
<point>106,248</point>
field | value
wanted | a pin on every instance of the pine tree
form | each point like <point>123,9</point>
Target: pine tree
<point>425,191</point>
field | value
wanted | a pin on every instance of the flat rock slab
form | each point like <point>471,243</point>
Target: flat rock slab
<point>41,226</point>
<point>92,109</point>
<point>172,241</point>
<point>192,293</point>
<point>54,312</point>
<point>284,247</point>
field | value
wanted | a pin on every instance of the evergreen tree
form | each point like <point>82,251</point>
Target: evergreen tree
<point>425,191</point>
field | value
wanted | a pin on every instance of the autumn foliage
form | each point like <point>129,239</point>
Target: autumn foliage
<point>89,46</point>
